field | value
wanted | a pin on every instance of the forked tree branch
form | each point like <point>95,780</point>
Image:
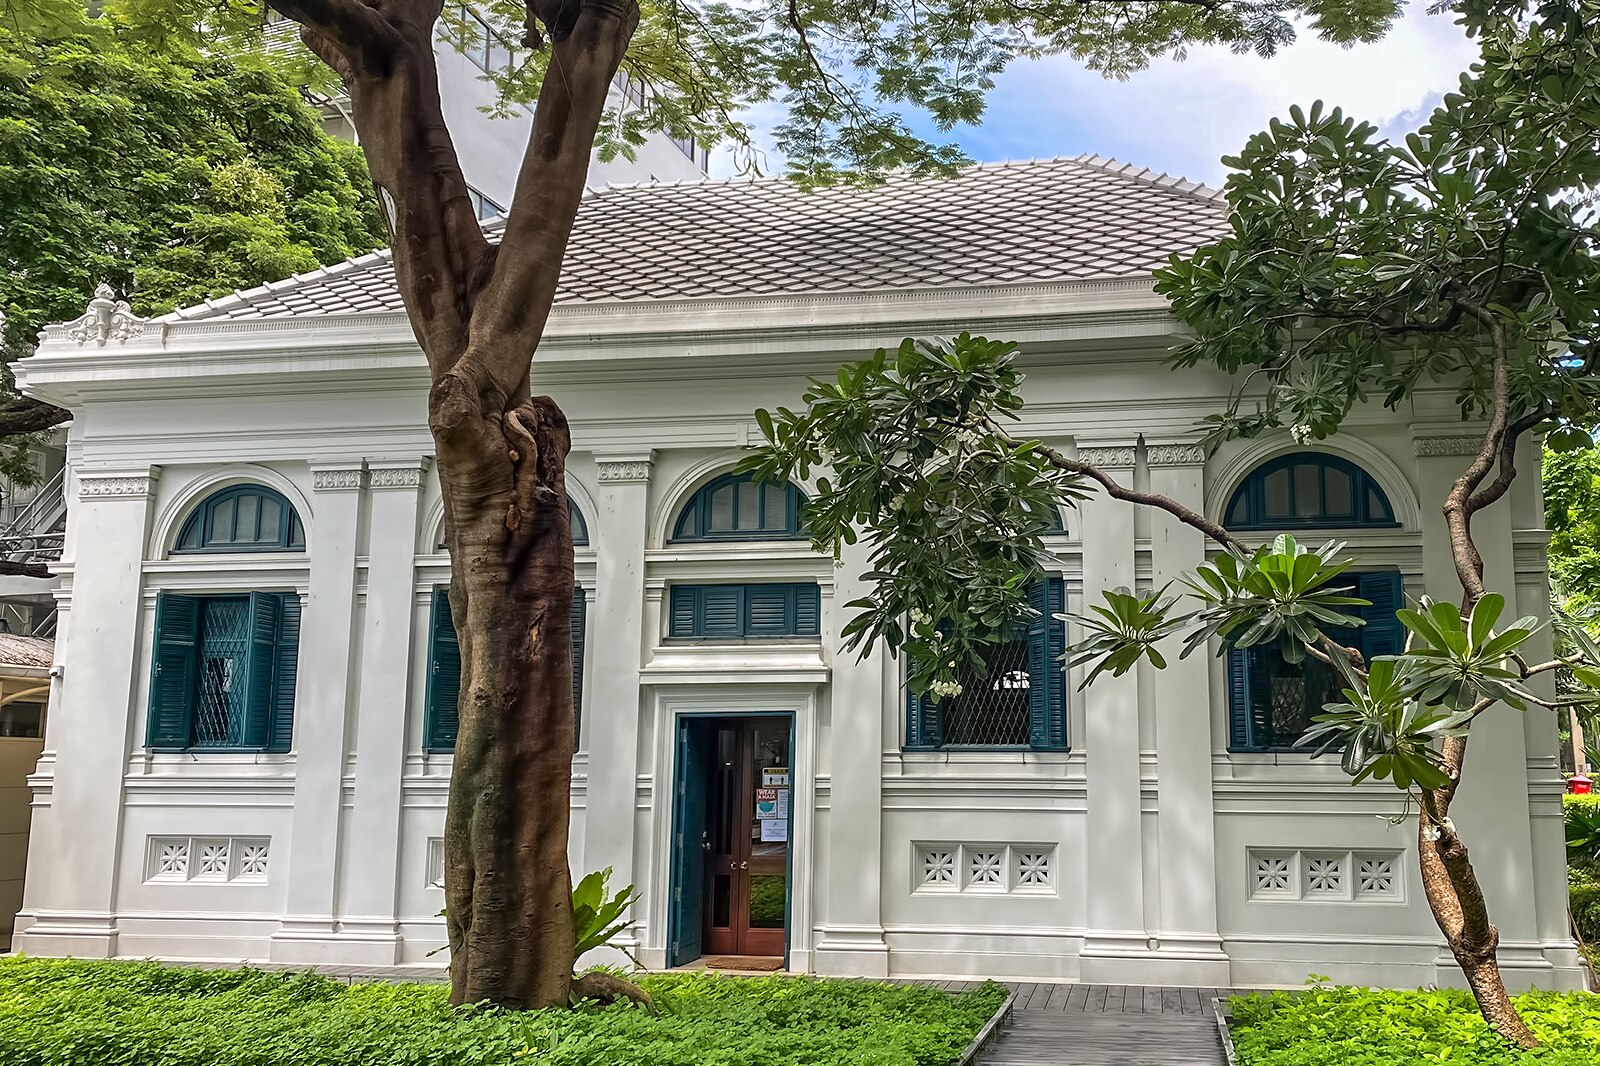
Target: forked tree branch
<point>24,414</point>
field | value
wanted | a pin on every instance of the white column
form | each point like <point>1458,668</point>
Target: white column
<point>1491,810</point>
<point>1186,842</point>
<point>616,640</point>
<point>851,933</point>
<point>71,887</point>
<point>372,855</point>
<point>1115,944</point>
<point>322,696</point>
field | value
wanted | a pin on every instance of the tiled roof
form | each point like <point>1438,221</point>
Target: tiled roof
<point>1053,220</point>
<point>16,650</point>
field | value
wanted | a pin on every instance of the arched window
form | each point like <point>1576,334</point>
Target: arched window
<point>243,518</point>
<point>1273,702</point>
<point>736,507</point>
<point>580,528</point>
<point>1308,490</point>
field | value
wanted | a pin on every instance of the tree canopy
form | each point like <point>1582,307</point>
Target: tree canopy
<point>1572,514</point>
<point>1359,271</point>
<point>172,175</point>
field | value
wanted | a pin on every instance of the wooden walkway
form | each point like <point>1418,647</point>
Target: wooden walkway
<point>1109,1025</point>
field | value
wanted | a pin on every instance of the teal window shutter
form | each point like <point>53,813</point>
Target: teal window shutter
<point>260,671</point>
<point>1383,634</point>
<point>924,722</point>
<point>729,612</point>
<point>770,610</point>
<point>280,730</point>
<point>1238,699</point>
<point>442,718</point>
<point>683,611</point>
<point>1047,645</point>
<point>580,619</point>
<point>807,611</point>
<point>174,671</point>
<point>721,611</point>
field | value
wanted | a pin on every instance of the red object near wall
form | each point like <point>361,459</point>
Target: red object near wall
<point>1579,785</point>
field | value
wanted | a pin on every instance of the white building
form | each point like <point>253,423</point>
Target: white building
<point>489,138</point>
<point>248,746</point>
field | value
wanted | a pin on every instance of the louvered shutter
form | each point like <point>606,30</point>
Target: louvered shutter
<point>807,611</point>
<point>1238,699</point>
<point>266,613</point>
<point>682,612</point>
<point>1047,641</point>
<point>286,664</point>
<point>768,610</point>
<point>924,722</point>
<point>580,618</point>
<point>1383,634</point>
<point>174,669</point>
<point>721,611</point>
<point>444,678</point>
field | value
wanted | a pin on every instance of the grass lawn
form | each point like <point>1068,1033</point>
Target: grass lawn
<point>70,1013</point>
<point>1358,1027</point>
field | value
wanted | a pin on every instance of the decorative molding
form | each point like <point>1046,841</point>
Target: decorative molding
<point>1116,456</point>
<point>1429,447</point>
<point>1175,454</point>
<point>983,869</point>
<point>633,468</point>
<point>396,477</point>
<point>211,860</point>
<point>337,478</point>
<point>1288,875</point>
<point>106,318</point>
<point>104,486</point>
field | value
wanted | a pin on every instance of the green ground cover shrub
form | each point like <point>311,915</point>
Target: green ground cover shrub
<point>72,1013</point>
<point>1325,1026</point>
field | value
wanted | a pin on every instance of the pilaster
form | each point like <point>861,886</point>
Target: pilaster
<point>621,500</point>
<point>1115,942</point>
<point>93,719</point>
<point>372,855</point>
<point>1492,809</point>
<point>851,937</point>
<point>322,697</point>
<point>1186,843</point>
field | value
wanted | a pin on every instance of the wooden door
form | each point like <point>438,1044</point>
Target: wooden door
<point>747,874</point>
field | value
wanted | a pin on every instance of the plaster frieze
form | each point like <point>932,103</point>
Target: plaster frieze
<point>405,475</point>
<point>92,487</point>
<point>337,478</point>
<point>634,469</point>
<point>1175,454</point>
<point>1429,447</point>
<point>1113,456</point>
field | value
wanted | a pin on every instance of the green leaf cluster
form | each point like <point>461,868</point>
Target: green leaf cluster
<point>1572,515</point>
<point>1327,1026</point>
<point>69,1013</point>
<point>1363,269</point>
<point>909,456</point>
<point>173,175</point>
<point>597,915</point>
<point>1582,817</point>
<point>1284,592</point>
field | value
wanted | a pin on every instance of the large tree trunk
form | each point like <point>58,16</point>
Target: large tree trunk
<point>478,313</point>
<point>508,893</point>
<point>1457,902</point>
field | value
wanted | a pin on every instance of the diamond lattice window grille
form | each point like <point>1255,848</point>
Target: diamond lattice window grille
<point>219,712</point>
<point>1376,876</point>
<point>1325,875</point>
<point>1033,869</point>
<point>938,867</point>
<point>985,868</point>
<point>992,710</point>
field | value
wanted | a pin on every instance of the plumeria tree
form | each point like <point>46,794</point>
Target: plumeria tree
<point>1358,271</point>
<point>843,76</point>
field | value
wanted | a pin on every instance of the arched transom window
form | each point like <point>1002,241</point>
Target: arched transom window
<point>243,518</point>
<point>736,507</point>
<point>1308,490</point>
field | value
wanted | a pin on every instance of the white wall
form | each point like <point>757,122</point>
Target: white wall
<point>1145,832</point>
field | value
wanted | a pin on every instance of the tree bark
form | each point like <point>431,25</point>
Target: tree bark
<point>478,313</point>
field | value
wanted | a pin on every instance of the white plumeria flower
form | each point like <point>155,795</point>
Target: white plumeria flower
<point>1301,433</point>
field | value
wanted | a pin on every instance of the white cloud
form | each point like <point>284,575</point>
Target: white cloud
<point>1182,116</point>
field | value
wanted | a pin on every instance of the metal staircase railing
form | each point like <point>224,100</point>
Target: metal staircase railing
<point>35,534</point>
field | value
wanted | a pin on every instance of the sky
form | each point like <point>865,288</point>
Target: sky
<point>1181,117</point>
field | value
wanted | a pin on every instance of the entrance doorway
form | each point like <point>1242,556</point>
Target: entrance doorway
<point>731,838</point>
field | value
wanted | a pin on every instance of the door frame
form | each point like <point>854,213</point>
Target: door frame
<point>672,704</point>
